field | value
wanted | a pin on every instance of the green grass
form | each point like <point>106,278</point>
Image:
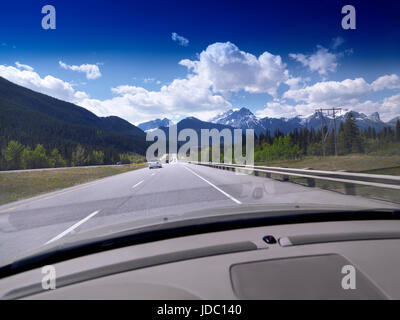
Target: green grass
<point>20,185</point>
<point>353,163</point>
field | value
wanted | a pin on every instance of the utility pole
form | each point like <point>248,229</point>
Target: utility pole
<point>334,130</point>
<point>324,125</point>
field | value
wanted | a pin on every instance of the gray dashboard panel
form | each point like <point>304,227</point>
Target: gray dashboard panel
<point>307,277</point>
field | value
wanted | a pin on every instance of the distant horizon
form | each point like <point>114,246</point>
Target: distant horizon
<point>345,111</point>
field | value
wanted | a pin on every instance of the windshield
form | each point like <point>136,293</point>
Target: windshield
<point>136,113</point>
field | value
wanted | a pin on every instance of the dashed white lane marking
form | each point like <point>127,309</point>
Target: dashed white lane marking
<point>137,184</point>
<point>214,186</point>
<point>76,225</point>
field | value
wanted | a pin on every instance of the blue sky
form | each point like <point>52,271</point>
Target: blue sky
<point>278,58</point>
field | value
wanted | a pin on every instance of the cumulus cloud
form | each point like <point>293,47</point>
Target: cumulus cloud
<point>321,61</point>
<point>386,82</point>
<point>182,41</point>
<point>220,69</point>
<point>347,94</point>
<point>23,66</point>
<point>295,83</point>
<point>92,71</point>
<point>388,108</point>
<point>180,98</point>
<point>48,85</point>
<point>331,92</point>
<point>226,68</point>
<point>277,109</point>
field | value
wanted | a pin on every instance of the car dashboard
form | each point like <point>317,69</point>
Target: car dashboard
<point>294,261</point>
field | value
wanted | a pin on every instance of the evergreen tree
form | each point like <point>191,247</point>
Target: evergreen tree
<point>330,144</point>
<point>351,137</point>
<point>12,154</point>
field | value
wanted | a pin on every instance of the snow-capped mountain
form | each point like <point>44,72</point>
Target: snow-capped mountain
<point>374,117</point>
<point>154,124</point>
<point>244,119</point>
<point>238,118</point>
<point>363,121</point>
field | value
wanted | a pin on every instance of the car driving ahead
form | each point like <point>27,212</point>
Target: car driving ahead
<point>155,164</point>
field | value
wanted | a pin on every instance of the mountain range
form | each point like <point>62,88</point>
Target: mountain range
<point>154,124</point>
<point>244,119</point>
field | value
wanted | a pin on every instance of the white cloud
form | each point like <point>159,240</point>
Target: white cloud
<point>295,83</point>
<point>182,41</point>
<point>346,93</point>
<point>48,85</point>
<point>388,108</point>
<point>277,109</point>
<point>23,66</point>
<point>321,61</point>
<point>227,69</point>
<point>221,68</point>
<point>331,92</point>
<point>180,98</point>
<point>92,71</point>
<point>386,82</point>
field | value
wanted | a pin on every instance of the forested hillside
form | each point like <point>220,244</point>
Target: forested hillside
<point>306,142</point>
<point>31,118</point>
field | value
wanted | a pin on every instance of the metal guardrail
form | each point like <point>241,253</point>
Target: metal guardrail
<point>348,178</point>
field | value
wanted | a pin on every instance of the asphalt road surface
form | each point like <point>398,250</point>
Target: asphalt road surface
<point>175,189</point>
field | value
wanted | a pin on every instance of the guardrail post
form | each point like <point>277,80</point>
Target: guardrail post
<point>285,178</point>
<point>311,182</point>
<point>350,189</point>
<point>268,174</point>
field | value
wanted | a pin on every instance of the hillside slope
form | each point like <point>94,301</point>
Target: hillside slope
<point>31,117</point>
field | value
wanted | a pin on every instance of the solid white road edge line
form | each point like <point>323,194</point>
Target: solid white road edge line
<point>62,234</point>
<point>214,186</point>
<point>137,184</point>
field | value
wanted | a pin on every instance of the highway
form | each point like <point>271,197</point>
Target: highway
<point>175,189</point>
